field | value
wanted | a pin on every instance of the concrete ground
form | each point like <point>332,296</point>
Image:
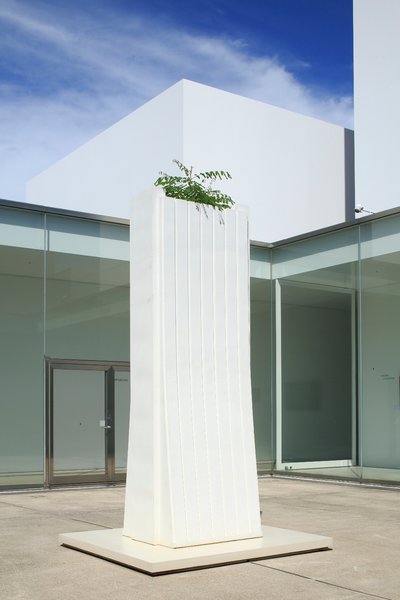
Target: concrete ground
<point>364,564</point>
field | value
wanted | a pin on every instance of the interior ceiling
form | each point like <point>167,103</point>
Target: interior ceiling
<point>24,262</point>
<point>296,295</point>
<point>382,274</point>
<point>302,295</point>
<point>379,275</point>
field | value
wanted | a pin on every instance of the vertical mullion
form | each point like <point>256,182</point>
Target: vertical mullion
<point>278,364</point>
<point>109,401</point>
<point>49,424</point>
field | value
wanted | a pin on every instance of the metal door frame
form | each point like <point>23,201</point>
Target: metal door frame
<point>108,368</point>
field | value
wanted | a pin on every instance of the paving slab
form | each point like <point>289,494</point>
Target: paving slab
<point>364,523</point>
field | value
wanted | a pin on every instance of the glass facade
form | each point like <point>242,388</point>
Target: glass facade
<point>87,290</point>
<point>316,286</point>
<point>325,345</point>
<point>325,333</point>
<point>261,347</point>
<point>380,349</point>
<point>64,294</point>
<point>21,346</point>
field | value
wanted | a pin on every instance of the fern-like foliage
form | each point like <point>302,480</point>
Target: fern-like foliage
<point>195,187</point>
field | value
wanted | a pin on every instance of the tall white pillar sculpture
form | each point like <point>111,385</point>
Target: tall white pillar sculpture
<point>191,494</point>
<point>191,463</point>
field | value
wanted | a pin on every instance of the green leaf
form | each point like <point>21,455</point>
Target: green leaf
<point>195,187</point>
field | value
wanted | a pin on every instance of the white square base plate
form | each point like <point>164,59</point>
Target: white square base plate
<point>110,544</point>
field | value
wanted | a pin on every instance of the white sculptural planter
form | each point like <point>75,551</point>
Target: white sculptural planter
<point>192,469</point>
<point>191,493</point>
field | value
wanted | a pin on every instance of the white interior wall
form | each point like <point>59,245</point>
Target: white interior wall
<point>287,168</point>
<point>377,101</point>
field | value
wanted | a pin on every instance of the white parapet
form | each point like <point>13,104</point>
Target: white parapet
<point>191,460</point>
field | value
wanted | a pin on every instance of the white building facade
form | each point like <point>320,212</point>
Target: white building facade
<point>294,173</point>
<point>376,102</point>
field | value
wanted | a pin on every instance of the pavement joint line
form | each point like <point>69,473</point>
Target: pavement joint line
<point>55,515</point>
<point>90,523</point>
<point>336,585</point>
<point>380,485</point>
<point>19,506</point>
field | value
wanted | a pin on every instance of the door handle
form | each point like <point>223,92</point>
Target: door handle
<point>107,426</point>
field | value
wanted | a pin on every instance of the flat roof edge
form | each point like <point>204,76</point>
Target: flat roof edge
<point>120,221</point>
<point>329,229</point>
<point>62,212</point>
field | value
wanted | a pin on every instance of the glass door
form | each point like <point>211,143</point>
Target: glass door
<point>87,421</point>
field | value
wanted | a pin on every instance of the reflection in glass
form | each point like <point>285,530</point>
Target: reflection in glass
<point>121,418</point>
<point>87,290</point>
<point>261,371</point>
<point>316,374</point>
<point>21,347</point>
<point>380,351</point>
<point>316,354</point>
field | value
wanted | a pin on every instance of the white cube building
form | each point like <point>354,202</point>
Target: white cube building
<point>294,173</point>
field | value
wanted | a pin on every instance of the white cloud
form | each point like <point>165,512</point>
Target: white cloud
<point>76,76</point>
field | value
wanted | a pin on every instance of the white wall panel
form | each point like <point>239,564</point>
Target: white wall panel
<point>376,102</point>
<point>289,169</point>
<point>102,175</point>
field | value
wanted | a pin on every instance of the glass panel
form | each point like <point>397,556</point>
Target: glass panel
<point>87,290</point>
<point>79,419</point>
<point>380,350</point>
<point>260,262</point>
<point>21,347</point>
<point>317,376</point>
<point>322,259</point>
<point>121,418</point>
<point>317,354</point>
<point>261,356</point>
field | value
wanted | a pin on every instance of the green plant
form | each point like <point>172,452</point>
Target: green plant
<point>195,187</point>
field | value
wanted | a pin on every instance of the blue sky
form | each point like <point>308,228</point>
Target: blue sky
<point>69,69</point>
